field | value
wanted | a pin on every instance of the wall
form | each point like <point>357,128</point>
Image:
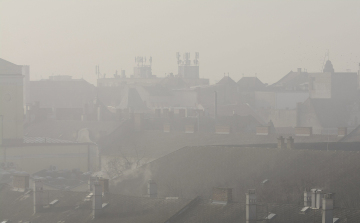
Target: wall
<point>283,117</point>
<point>320,85</point>
<point>11,106</point>
<point>289,100</point>
<point>184,98</point>
<point>32,158</point>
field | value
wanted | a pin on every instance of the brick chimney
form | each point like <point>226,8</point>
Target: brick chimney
<point>316,198</point>
<point>328,206</point>
<point>104,185</point>
<point>152,189</point>
<point>38,196</point>
<point>281,143</point>
<point>221,195</point>
<point>290,143</point>
<point>251,206</point>
<point>21,182</point>
<point>307,198</point>
<point>97,200</point>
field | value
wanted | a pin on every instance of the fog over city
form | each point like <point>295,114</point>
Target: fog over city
<point>179,111</point>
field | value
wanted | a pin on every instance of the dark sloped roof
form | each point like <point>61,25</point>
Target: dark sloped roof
<point>250,84</point>
<point>72,208</point>
<point>331,113</point>
<point>8,68</point>
<point>291,80</point>
<point>194,171</point>
<point>226,80</point>
<point>131,100</point>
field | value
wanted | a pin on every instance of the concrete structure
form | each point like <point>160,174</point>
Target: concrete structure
<point>11,102</point>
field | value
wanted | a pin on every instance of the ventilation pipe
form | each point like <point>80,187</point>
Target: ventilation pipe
<point>97,200</point>
<point>251,206</point>
<point>38,196</point>
<point>152,188</point>
<point>328,206</point>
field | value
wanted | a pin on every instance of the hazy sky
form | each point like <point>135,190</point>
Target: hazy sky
<point>269,38</point>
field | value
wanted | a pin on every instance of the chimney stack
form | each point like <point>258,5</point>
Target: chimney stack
<point>307,198</point>
<point>97,200</point>
<point>221,195</point>
<point>99,113</point>
<point>290,142</point>
<point>316,198</point>
<point>38,196</point>
<point>251,206</point>
<point>281,144</point>
<point>104,184</point>
<point>152,188</point>
<point>21,182</point>
<point>328,206</point>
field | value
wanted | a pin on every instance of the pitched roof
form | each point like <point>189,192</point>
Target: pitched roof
<point>193,171</point>
<point>331,113</point>
<point>131,100</point>
<point>250,84</point>
<point>72,207</point>
<point>8,68</point>
<point>291,80</point>
<point>226,80</point>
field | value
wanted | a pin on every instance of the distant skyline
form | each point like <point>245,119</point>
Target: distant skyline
<point>267,38</point>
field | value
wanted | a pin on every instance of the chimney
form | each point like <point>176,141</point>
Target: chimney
<point>319,197</point>
<point>152,188</point>
<point>97,200</point>
<point>38,196</point>
<point>313,198</point>
<point>299,70</point>
<point>316,196</point>
<point>221,195</point>
<point>215,109</point>
<point>342,131</point>
<point>99,113</point>
<point>290,143</point>
<point>21,182</point>
<point>281,144</point>
<point>91,183</point>
<point>251,206</point>
<point>328,206</point>
<point>307,198</point>
<point>104,184</point>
